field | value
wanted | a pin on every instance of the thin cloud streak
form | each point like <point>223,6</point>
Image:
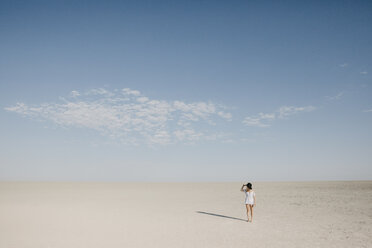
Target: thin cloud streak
<point>129,116</point>
<point>265,120</point>
<point>336,97</point>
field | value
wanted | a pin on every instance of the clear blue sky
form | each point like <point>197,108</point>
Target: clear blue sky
<point>185,90</point>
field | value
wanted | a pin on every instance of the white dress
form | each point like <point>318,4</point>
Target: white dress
<point>249,197</point>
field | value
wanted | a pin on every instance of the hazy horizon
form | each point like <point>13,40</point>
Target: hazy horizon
<point>185,91</point>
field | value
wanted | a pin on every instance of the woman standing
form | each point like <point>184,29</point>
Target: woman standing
<point>250,199</point>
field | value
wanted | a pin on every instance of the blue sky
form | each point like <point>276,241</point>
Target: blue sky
<point>185,90</point>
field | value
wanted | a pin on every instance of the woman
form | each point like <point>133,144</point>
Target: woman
<point>250,199</point>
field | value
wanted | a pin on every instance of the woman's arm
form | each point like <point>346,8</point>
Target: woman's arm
<point>242,187</point>
<point>254,197</point>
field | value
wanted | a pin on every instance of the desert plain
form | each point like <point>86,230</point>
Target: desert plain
<point>184,214</point>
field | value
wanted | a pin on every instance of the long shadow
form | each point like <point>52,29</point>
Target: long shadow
<point>218,215</point>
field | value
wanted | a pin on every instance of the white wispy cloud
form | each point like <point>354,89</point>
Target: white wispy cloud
<point>128,91</point>
<point>142,99</point>
<point>265,120</point>
<point>364,72</point>
<point>344,65</point>
<point>367,110</point>
<point>286,111</point>
<point>254,122</point>
<point>336,97</point>
<point>99,91</point>
<point>261,120</point>
<point>129,116</point>
<point>188,135</point>
<point>225,115</point>
<point>74,93</point>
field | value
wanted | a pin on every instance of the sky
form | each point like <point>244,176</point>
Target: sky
<point>185,90</point>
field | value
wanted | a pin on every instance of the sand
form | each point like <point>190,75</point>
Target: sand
<point>288,214</point>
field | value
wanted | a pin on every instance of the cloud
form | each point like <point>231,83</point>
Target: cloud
<point>99,91</point>
<point>254,122</point>
<point>257,121</point>
<point>286,111</point>
<point>224,115</point>
<point>74,93</point>
<point>367,110</point>
<point>142,99</point>
<point>129,116</point>
<point>336,97</point>
<point>128,91</point>
<point>188,135</point>
<point>344,65</point>
<point>364,72</point>
<point>264,120</point>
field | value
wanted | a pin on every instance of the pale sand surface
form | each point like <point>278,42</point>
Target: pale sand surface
<point>288,214</point>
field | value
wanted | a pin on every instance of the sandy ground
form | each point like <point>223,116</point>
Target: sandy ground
<point>288,214</point>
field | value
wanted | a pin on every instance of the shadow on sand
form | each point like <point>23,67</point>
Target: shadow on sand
<point>218,215</point>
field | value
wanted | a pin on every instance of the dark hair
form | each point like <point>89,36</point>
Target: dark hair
<point>249,185</point>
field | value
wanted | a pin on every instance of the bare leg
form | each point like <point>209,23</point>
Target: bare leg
<point>247,206</point>
<point>251,209</point>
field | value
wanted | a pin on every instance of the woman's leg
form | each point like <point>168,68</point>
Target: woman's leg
<point>247,206</point>
<point>251,209</point>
